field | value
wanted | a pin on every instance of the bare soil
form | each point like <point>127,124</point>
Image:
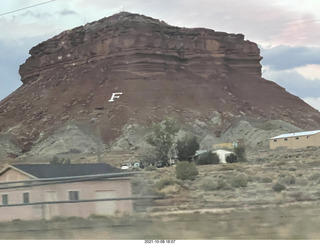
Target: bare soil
<point>296,221</point>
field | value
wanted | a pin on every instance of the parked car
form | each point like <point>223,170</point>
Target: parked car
<point>126,166</point>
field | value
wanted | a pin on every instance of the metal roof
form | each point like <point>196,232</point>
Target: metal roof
<point>296,134</point>
<point>199,152</point>
<point>65,170</point>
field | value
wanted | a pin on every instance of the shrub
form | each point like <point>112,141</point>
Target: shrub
<point>74,150</point>
<point>239,180</point>
<point>266,180</point>
<point>298,196</point>
<point>187,147</point>
<point>208,158</point>
<point>278,187</point>
<point>223,185</point>
<point>290,180</point>
<point>232,158</point>
<point>143,187</point>
<point>186,171</point>
<point>136,185</point>
<point>57,160</point>
<point>209,184</point>
<point>162,183</point>
<point>150,190</point>
<point>314,176</point>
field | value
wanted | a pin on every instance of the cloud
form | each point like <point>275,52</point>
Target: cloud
<point>302,30</point>
<point>270,23</point>
<point>15,31</point>
<point>11,57</point>
<point>297,69</point>
<point>280,25</point>
<point>293,82</point>
<point>67,12</point>
<point>310,71</point>
<point>313,101</point>
<point>34,15</point>
<point>45,20</point>
<point>285,57</point>
<point>260,21</point>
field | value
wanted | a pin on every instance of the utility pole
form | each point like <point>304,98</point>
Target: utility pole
<point>98,145</point>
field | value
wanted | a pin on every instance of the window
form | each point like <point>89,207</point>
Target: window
<point>73,195</point>
<point>297,138</point>
<point>26,198</point>
<point>275,140</point>
<point>5,199</point>
<point>285,139</point>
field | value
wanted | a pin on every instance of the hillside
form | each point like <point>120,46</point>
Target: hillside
<point>110,79</point>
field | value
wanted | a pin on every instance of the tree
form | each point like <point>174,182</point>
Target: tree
<point>162,138</point>
<point>148,156</point>
<point>187,147</point>
<point>208,158</point>
<point>240,152</point>
<point>57,160</point>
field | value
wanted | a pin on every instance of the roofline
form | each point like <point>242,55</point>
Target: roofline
<point>83,177</point>
<point>294,134</point>
<point>222,150</point>
<point>19,170</point>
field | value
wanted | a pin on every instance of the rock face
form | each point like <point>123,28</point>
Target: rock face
<point>130,68</point>
<point>134,43</point>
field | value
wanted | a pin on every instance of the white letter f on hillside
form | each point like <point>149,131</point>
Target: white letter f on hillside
<point>115,95</point>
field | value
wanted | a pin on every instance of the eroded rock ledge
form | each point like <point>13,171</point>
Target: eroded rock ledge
<point>135,41</point>
<point>205,79</point>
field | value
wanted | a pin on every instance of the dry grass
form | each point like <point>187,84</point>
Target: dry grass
<point>275,222</point>
<point>250,183</point>
<point>235,201</point>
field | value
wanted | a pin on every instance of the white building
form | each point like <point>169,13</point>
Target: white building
<point>222,154</point>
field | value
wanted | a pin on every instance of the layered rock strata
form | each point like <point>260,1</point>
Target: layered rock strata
<point>130,68</point>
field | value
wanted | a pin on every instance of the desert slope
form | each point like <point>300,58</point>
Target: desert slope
<point>132,69</point>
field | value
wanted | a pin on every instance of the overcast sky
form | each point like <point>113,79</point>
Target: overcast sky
<point>287,32</point>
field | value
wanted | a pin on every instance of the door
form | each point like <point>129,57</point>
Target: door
<point>50,210</point>
<point>105,207</point>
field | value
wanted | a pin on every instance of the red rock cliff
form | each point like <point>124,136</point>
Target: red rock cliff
<point>130,67</point>
<point>138,42</point>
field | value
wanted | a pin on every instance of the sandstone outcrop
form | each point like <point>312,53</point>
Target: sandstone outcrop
<point>130,68</point>
<point>138,43</point>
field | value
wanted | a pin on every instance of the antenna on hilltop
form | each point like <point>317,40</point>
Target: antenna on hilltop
<point>122,6</point>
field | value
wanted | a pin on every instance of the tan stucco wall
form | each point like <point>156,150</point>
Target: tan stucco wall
<point>13,175</point>
<point>60,192</point>
<point>293,143</point>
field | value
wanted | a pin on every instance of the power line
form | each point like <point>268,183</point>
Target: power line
<point>32,6</point>
<point>86,200</point>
